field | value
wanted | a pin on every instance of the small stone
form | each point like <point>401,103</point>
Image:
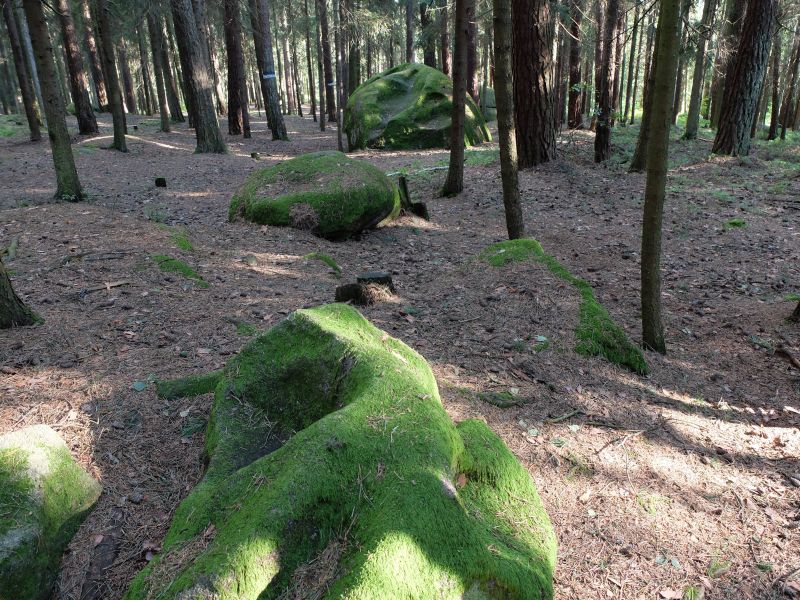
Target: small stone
<point>255,156</point>
<point>161,182</point>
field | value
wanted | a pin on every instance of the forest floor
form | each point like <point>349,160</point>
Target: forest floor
<point>686,477</point>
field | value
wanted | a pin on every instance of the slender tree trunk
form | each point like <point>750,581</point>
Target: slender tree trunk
<point>665,66</point>
<point>291,105</point>
<point>787,104</point>
<point>153,29</point>
<point>311,90</point>
<point>693,118</point>
<point>273,109</point>
<point>743,86</point>
<point>429,40</point>
<point>605,108</point>
<point>409,31</point>
<point>78,83</point>
<point>127,80</point>
<point>330,89</point>
<point>236,88</point>
<point>636,73</point>
<point>170,85</point>
<point>776,72</point>
<point>472,54</point>
<point>33,71</point>
<point>454,184</point>
<point>340,85</point>
<point>206,126</point>
<point>533,81</point>
<point>9,89</point>
<point>616,61</point>
<point>94,58</point>
<point>258,43</point>
<point>734,17</point>
<point>13,311</point>
<point>112,79</point>
<point>68,186</point>
<point>23,76</point>
<point>146,79</point>
<point>320,77</point>
<point>574,116</point>
<point>631,61</point>
<point>504,95</point>
<point>447,60</point>
<point>181,39</point>
<point>639,159</point>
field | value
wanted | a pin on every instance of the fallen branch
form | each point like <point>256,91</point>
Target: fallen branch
<point>104,286</point>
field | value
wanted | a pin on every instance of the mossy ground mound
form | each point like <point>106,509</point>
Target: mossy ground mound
<point>377,494</point>
<point>44,496</point>
<point>328,193</point>
<point>597,333</point>
<point>409,106</point>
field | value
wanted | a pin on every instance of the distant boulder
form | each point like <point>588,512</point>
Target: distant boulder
<point>44,496</point>
<point>328,193</point>
<point>409,106</point>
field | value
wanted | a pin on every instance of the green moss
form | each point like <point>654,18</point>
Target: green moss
<point>325,259</point>
<point>44,496</point>
<point>173,265</point>
<point>735,224</point>
<point>407,107</point>
<point>11,125</point>
<point>363,497</point>
<point>187,387</point>
<point>345,195</point>
<point>181,239</point>
<point>597,333</point>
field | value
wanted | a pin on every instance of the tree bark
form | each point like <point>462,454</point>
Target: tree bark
<point>153,27</point>
<point>68,186</point>
<point>574,115</point>
<point>639,158</point>
<point>734,17</point>
<point>273,109</point>
<point>636,73</point>
<point>409,31</point>
<point>23,76</point>
<point>446,59</point>
<point>340,85</point>
<point>330,89</point>
<point>605,107</point>
<point>320,77</point>
<point>9,95</point>
<point>533,81</point>
<point>504,96</point>
<point>127,80</point>
<point>776,74</point>
<point>454,184</point>
<point>237,91</point>
<point>13,311</point>
<point>665,67</point>
<point>693,118</point>
<point>170,83</point>
<point>111,77</point>
<point>472,53</point>
<point>94,58</point>
<point>30,60</point>
<point>78,83</point>
<point>632,60</point>
<point>288,78</point>
<point>787,104</point>
<point>206,126</point>
<point>743,86</point>
<point>311,90</point>
<point>428,38</point>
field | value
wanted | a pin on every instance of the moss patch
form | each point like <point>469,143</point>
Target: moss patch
<point>181,239</point>
<point>597,333</point>
<point>44,496</point>
<point>376,495</point>
<point>328,193</point>
<point>409,106</point>
<point>173,265</point>
<point>328,260</point>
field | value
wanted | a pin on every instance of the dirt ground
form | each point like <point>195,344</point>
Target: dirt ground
<point>686,477</point>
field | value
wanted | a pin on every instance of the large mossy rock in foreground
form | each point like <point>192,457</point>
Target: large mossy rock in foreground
<point>44,496</point>
<point>409,106</point>
<point>377,494</point>
<point>328,193</point>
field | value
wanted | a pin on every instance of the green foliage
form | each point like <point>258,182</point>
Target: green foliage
<point>376,495</point>
<point>328,260</point>
<point>345,195</point>
<point>181,239</point>
<point>11,125</point>
<point>173,265</point>
<point>247,329</point>
<point>188,387</point>
<point>597,333</point>
<point>406,107</point>
<point>737,223</point>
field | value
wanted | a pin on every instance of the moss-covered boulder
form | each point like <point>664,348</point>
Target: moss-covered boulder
<point>409,106</point>
<point>488,103</point>
<point>44,496</point>
<point>328,193</point>
<point>334,472</point>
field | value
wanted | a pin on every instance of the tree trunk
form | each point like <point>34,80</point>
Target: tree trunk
<point>631,61</point>
<point>311,91</point>
<point>13,311</point>
<point>68,186</point>
<point>330,89</point>
<point>146,79</point>
<point>23,76</point>
<point>78,83</point>
<point>665,66</point>
<point>298,88</point>
<point>153,29</point>
<point>776,73</point>
<point>291,105</point>
<point>112,79</point>
<point>127,80</point>
<point>340,85</point>
<point>734,17</point>
<point>533,81</point>
<point>472,53</point>
<point>320,77</point>
<point>206,126</point>
<point>787,104</point>
<point>30,60</point>
<point>428,38</point>
<point>409,31</point>
<point>454,184</point>
<point>574,115</point>
<point>237,105</point>
<point>616,61</point>
<point>272,108</point>
<point>743,86</point>
<point>639,158</point>
<point>504,96</point>
<point>636,74</point>
<point>605,108</point>
<point>170,83</point>
<point>9,95</point>
<point>693,118</point>
<point>447,60</point>
<point>94,58</point>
